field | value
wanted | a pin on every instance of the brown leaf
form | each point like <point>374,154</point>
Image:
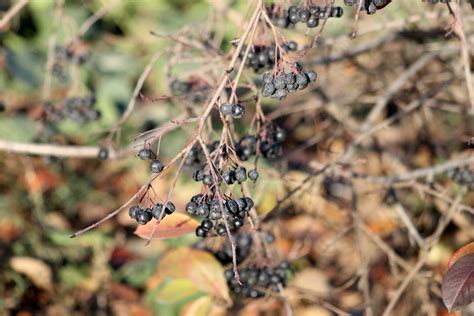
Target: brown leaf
<point>207,274</point>
<point>461,252</point>
<point>36,270</point>
<point>458,283</point>
<point>171,226</point>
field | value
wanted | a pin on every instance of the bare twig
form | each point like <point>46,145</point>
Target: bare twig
<point>12,12</point>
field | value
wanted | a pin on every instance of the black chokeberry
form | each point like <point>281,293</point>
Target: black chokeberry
<point>103,153</point>
<point>156,166</point>
<point>232,206</point>
<point>312,22</point>
<point>280,94</point>
<point>253,174</point>
<point>238,223</point>
<point>249,203</point>
<point>198,175</point>
<point>268,89</point>
<point>134,211</point>
<point>312,76</point>
<point>304,15</point>
<point>157,210</point>
<point>170,208</point>
<point>207,180</point>
<point>197,198</point>
<point>279,82</point>
<point>207,224</point>
<point>191,207</point>
<point>240,174</point>
<point>220,230</point>
<point>202,210</point>
<point>201,232</point>
<point>226,108</point>
<point>145,154</point>
<point>238,110</point>
<point>144,216</point>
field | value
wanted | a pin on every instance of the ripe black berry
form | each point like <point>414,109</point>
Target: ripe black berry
<point>253,174</point>
<point>221,231</point>
<point>268,89</point>
<point>191,207</point>
<point>198,175</point>
<point>207,180</point>
<point>145,154</point>
<point>170,208</point>
<point>312,22</point>
<point>240,174</point>
<point>201,232</point>
<point>144,216</point>
<point>134,211</point>
<point>238,223</point>
<point>303,15</point>
<point>202,210</point>
<point>238,110</point>
<point>226,108</point>
<point>103,153</point>
<point>156,166</point>
<point>207,224</point>
<point>232,206</point>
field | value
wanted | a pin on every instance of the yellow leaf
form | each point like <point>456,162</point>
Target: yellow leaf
<point>176,290</point>
<point>199,307</point>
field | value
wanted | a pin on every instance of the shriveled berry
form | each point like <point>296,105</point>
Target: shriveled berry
<point>280,94</point>
<point>268,89</point>
<point>156,166</point>
<point>279,82</point>
<point>249,203</point>
<point>312,76</point>
<point>267,77</point>
<point>301,80</point>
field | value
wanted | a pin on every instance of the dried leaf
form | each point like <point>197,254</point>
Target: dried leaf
<point>176,290</point>
<point>199,307</point>
<point>36,270</point>
<point>461,252</point>
<point>207,274</point>
<point>458,283</point>
<point>171,226</point>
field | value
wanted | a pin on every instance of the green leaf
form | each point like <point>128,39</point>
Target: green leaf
<point>19,129</point>
<point>175,291</point>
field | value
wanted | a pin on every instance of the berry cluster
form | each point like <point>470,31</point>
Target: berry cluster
<point>278,87</point>
<point>370,6</point>
<point>309,15</point>
<point>156,166</point>
<point>236,110</point>
<point>144,215</point>
<point>78,109</point>
<point>265,57</point>
<point>257,280</point>
<point>270,143</point>
<point>214,212</point>
<point>463,176</point>
<point>193,88</point>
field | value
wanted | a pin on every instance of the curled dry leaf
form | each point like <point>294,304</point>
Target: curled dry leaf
<point>207,274</point>
<point>36,270</point>
<point>171,226</point>
<point>458,283</point>
<point>461,252</point>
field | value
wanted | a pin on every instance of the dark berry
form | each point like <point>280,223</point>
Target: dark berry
<point>293,17</point>
<point>284,265</point>
<point>280,94</point>
<point>268,89</point>
<point>145,154</point>
<point>156,211</point>
<point>134,211</point>
<point>241,204</point>
<point>198,175</point>
<point>267,77</point>
<point>202,210</point>
<point>207,180</point>
<point>238,110</point>
<point>156,166</point>
<point>103,153</point>
<point>292,45</point>
<point>249,203</point>
<point>301,80</point>
<point>197,198</point>
<point>292,9</point>
<point>201,232</point>
<point>144,216</point>
<point>240,174</point>
<point>229,176</point>
<point>312,76</point>
<point>220,230</point>
<point>191,207</point>
<point>312,22</point>
<point>170,208</point>
<point>304,15</point>
<point>253,174</point>
<point>232,206</point>
<point>207,224</point>
<point>279,82</point>
<point>226,108</point>
<point>238,223</point>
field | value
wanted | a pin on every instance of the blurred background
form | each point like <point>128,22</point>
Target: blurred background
<point>109,270</point>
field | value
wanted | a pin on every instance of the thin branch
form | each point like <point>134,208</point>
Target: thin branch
<point>11,13</point>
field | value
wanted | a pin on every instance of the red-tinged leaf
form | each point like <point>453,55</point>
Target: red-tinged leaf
<point>461,252</point>
<point>458,283</point>
<point>199,307</point>
<point>171,226</point>
<point>207,274</point>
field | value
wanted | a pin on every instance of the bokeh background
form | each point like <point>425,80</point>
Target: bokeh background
<point>109,270</point>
